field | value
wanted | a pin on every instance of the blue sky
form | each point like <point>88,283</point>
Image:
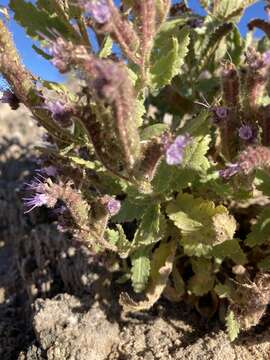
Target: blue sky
<point>43,68</point>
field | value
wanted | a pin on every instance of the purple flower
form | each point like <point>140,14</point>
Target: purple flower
<point>266,58</point>
<point>113,206</point>
<point>230,171</point>
<point>175,152</point>
<point>61,111</point>
<point>99,10</point>
<point>245,132</point>
<point>40,195</point>
<point>49,170</point>
<point>34,201</point>
<point>221,112</point>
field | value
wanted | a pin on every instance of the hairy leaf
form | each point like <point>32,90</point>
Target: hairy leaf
<point>196,218</point>
<point>169,64</point>
<point>195,153</point>
<point>260,232</point>
<point>161,267</point>
<point>230,249</point>
<point>233,328</point>
<point>203,279</point>
<point>148,231</point>
<point>140,269</point>
<point>106,48</point>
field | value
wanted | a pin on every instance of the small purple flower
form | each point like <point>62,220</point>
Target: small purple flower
<point>230,171</point>
<point>34,201</point>
<point>99,10</point>
<point>50,171</point>
<point>266,58</point>
<point>245,132</point>
<point>113,206</point>
<point>40,194</point>
<point>175,152</point>
<point>220,114</point>
<point>61,111</point>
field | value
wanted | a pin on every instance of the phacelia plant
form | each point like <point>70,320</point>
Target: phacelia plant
<point>159,152</point>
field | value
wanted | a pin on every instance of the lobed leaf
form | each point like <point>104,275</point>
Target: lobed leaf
<point>161,267</point>
<point>233,328</point>
<point>196,218</point>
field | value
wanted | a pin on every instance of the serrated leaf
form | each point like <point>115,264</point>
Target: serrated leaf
<point>123,244</point>
<point>233,328</point>
<point>168,65</point>
<point>195,153</point>
<point>112,236</point>
<point>215,40</point>
<point>230,249</point>
<point>168,30</point>
<point>148,231</point>
<point>161,267</point>
<point>132,207</point>
<point>224,291</point>
<point>153,130</point>
<point>169,178</point>
<point>264,182</point>
<point>106,48</point>
<point>231,9</point>
<point>197,126</point>
<point>203,279</point>
<point>260,232</point>
<point>195,218</point>
<point>91,165</point>
<point>140,269</point>
<point>139,110</point>
<point>38,21</point>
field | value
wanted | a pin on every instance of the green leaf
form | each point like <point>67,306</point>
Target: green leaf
<point>231,9</point>
<point>260,232</point>
<point>152,131</point>
<point>140,269</point>
<point>195,153</point>
<point>139,111</point>
<point>264,264</point>
<point>224,291</point>
<point>133,206</point>
<point>198,125</point>
<point>203,279</point>
<point>168,30</point>
<point>233,328</point>
<point>39,20</point>
<point>230,249</point>
<point>197,220</point>
<point>215,40</point>
<point>112,236</point>
<point>169,64</point>
<point>169,178</point>
<point>263,180</point>
<point>161,267</point>
<point>178,282</point>
<point>91,165</point>
<point>119,239</point>
<point>106,48</point>
<point>148,231</point>
<point>123,244</point>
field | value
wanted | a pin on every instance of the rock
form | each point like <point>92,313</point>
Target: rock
<point>65,329</point>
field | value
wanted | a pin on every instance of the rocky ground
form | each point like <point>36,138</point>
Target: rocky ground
<point>57,302</point>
